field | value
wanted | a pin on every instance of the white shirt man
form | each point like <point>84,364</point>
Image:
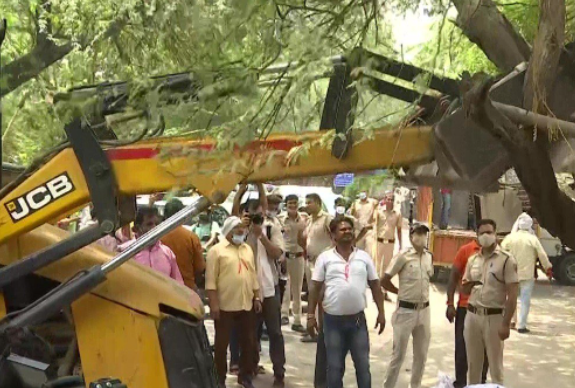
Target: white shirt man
<point>345,281</point>
<point>346,272</point>
<point>526,248</point>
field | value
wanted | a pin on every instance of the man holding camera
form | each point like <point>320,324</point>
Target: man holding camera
<point>266,239</point>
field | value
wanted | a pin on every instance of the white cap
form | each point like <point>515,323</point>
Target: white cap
<point>525,222</point>
<point>230,224</point>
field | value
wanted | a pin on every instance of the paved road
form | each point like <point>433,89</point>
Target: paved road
<point>544,358</point>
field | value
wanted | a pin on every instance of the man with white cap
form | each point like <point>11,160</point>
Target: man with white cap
<point>233,292</point>
<point>523,217</point>
<point>526,248</point>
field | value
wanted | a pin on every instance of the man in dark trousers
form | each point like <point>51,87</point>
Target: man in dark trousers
<point>233,292</point>
<point>459,264</point>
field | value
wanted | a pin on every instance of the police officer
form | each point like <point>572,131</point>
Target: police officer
<point>414,267</point>
<point>492,282</point>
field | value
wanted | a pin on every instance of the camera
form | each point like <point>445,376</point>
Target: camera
<point>257,219</point>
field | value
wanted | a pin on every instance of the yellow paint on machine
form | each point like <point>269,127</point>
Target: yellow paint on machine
<point>181,162</point>
<point>134,285</point>
<point>116,341</point>
<point>2,306</point>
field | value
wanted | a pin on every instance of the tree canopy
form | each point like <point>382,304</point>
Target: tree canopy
<point>229,47</point>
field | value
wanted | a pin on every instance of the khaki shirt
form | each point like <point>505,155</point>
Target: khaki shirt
<point>291,229</point>
<point>356,227</point>
<point>230,271</point>
<point>526,249</point>
<point>363,211</point>
<point>414,272</point>
<point>318,235</point>
<point>387,223</point>
<point>494,272</point>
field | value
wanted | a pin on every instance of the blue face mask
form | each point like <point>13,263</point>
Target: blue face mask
<point>238,239</point>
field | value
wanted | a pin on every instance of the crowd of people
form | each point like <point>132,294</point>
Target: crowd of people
<point>253,270</point>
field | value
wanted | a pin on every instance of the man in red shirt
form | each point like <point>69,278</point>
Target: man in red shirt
<point>457,271</point>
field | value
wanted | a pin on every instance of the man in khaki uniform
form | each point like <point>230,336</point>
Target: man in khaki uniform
<point>387,221</point>
<point>363,210</point>
<point>294,224</point>
<point>318,238</point>
<point>317,234</point>
<point>491,280</point>
<point>414,268</point>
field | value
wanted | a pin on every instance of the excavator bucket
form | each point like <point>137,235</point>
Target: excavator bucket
<point>473,153</point>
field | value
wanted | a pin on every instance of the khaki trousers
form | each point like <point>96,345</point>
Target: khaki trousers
<point>407,323</point>
<point>295,269</point>
<point>366,242</point>
<point>384,256</point>
<point>481,334</point>
<point>308,270</point>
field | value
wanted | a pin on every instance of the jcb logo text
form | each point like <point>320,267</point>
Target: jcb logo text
<point>39,197</point>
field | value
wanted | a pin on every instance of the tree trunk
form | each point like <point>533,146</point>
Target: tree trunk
<point>547,49</point>
<point>554,209</point>
<point>484,25</point>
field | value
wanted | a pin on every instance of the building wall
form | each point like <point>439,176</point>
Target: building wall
<point>503,207</point>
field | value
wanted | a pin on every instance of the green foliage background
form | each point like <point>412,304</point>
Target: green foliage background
<point>228,45</point>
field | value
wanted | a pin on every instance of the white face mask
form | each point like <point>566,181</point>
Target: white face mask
<point>272,214</point>
<point>486,240</point>
<point>362,195</point>
<point>419,240</point>
<point>340,210</point>
<point>238,239</point>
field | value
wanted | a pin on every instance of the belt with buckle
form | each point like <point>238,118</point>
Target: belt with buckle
<point>386,241</point>
<point>413,306</point>
<point>291,255</point>
<point>484,310</point>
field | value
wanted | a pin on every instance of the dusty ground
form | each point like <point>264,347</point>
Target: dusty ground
<point>543,358</point>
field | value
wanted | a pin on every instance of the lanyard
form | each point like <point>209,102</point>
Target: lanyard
<point>240,263</point>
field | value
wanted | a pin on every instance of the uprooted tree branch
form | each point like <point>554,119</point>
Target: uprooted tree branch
<point>46,52</point>
<point>528,147</point>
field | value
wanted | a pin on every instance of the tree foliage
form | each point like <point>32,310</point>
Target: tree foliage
<point>226,44</point>
<point>451,52</point>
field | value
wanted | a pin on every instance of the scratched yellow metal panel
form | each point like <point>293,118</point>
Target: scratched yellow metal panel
<point>153,166</point>
<point>133,285</point>
<point>181,162</point>
<point>118,342</point>
<point>2,306</point>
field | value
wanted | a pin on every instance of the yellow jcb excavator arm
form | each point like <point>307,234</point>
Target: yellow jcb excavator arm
<point>145,167</point>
